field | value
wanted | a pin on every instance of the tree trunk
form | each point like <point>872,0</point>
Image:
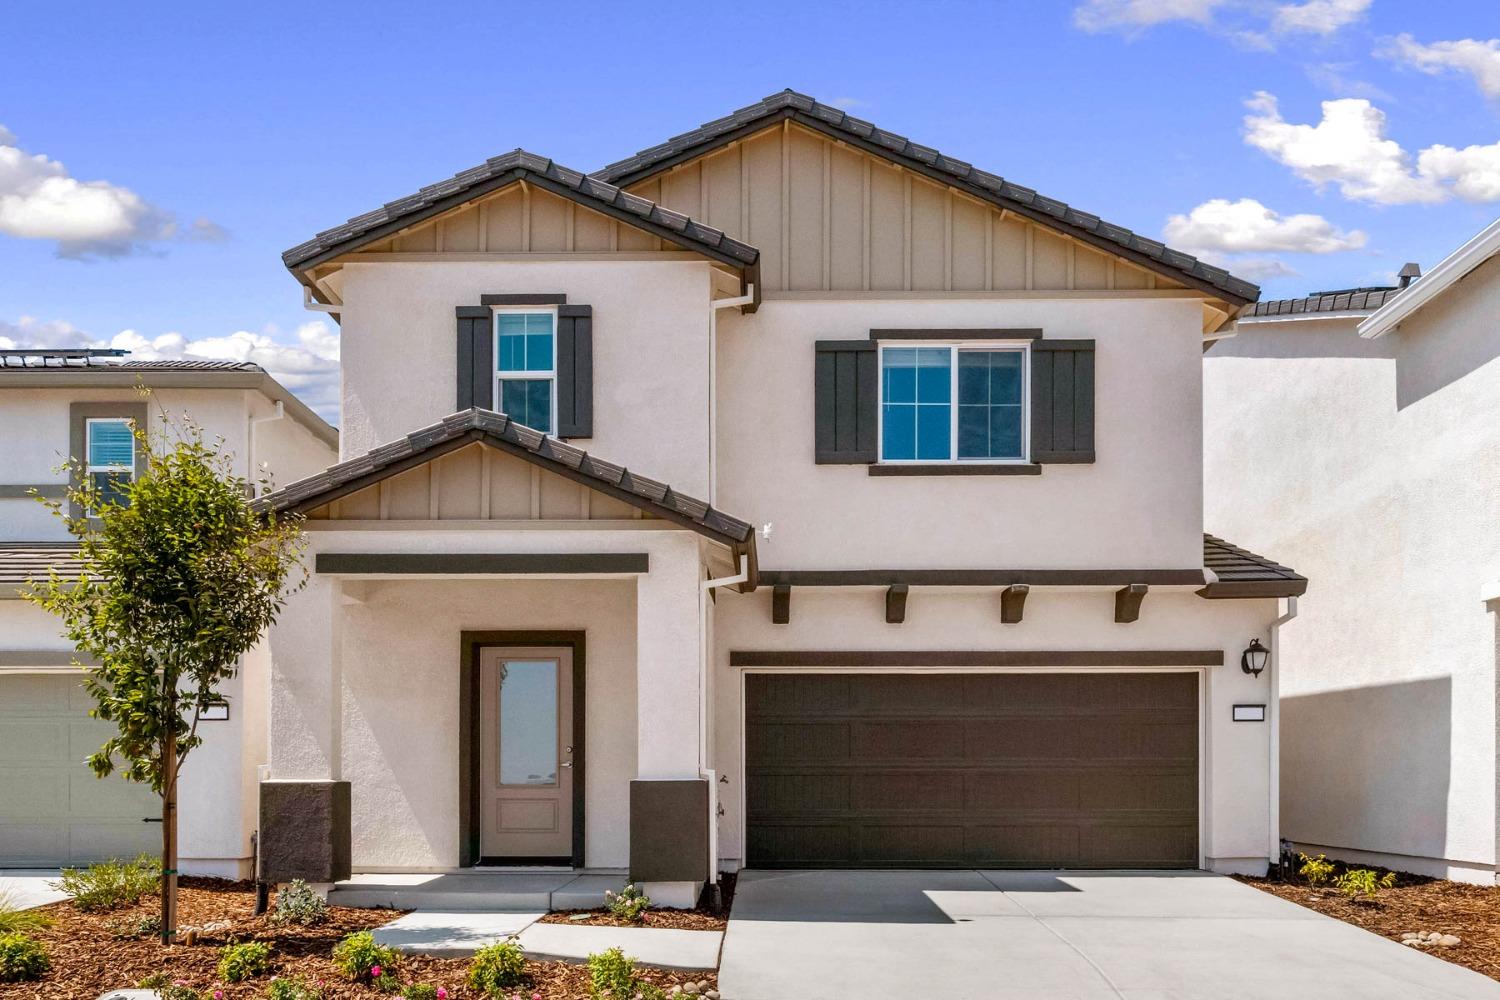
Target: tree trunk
<point>169,832</point>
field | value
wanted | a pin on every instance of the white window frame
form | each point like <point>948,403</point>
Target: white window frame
<point>550,375</point>
<point>90,468</point>
<point>1023,347</point>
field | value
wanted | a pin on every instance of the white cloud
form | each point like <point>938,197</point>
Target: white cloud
<point>1108,15</point>
<point>1260,268</point>
<point>1349,148</point>
<point>40,200</point>
<point>309,368</point>
<point>1317,17</point>
<point>1481,60</point>
<point>848,103</point>
<point>1221,226</point>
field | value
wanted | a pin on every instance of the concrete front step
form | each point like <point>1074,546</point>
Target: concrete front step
<point>493,892</point>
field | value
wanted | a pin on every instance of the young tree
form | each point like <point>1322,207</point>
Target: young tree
<point>180,577</point>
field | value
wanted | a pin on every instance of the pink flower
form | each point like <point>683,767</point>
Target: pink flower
<point>218,995</point>
<point>375,972</point>
<point>442,994</point>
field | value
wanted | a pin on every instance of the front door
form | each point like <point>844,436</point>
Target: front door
<point>526,755</point>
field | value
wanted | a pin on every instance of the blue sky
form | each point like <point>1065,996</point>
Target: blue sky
<point>156,159</point>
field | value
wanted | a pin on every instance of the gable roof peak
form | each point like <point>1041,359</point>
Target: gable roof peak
<point>1023,201</point>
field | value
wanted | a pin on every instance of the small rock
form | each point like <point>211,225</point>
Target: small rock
<point>691,989</point>
<point>675,991</point>
<point>578,916</point>
<point>1450,941</point>
<point>1409,936</point>
<point>712,994</point>
<point>1411,942</point>
<point>1429,935</point>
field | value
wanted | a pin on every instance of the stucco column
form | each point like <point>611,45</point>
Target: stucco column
<point>667,660</point>
<point>306,683</point>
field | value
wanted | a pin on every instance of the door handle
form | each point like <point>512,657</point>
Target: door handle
<point>567,763</point>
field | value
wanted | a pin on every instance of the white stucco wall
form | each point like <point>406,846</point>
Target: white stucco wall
<point>1137,506</point>
<point>1235,759</point>
<point>650,353</point>
<point>1374,469</point>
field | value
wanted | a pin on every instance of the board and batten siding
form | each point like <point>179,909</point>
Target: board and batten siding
<point>827,217</point>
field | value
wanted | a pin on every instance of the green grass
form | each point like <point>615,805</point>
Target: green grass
<point>13,918</point>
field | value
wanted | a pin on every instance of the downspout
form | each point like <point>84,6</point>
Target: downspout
<point>255,422</point>
<point>1287,615</point>
<point>703,707</point>
<point>713,378</point>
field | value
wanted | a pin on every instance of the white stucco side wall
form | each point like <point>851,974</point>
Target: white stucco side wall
<point>1373,467</point>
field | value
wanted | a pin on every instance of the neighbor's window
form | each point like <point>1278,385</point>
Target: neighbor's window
<point>110,446</point>
<point>952,403</point>
<point>526,367</point>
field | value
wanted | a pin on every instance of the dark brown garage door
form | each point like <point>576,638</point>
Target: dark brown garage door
<point>985,770</point>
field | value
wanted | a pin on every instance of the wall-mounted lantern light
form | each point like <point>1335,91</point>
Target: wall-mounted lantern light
<point>1254,659</point>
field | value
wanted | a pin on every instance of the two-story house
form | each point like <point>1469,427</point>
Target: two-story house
<point>1367,420</point>
<point>86,405</point>
<point>785,495</point>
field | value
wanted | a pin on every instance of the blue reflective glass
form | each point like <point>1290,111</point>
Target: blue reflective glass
<point>932,432</point>
<point>973,377</point>
<point>111,442</point>
<point>111,488</point>
<point>510,324</point>
<point>538,352</point>
<point>900,385</point>
<point>539,405</point>
<point>513,399</point>
<point>973,432</point>
<point>1005,432</point>
<point>512,353</point>
<point>1005,377</point>
<point>899,427</point>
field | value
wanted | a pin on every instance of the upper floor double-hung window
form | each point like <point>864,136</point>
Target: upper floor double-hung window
<point>958,402</point>
<point>526,366</point>
<point>110,456</point>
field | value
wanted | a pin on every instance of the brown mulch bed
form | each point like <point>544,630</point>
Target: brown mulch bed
<point>1413,905</point>
<point>706,916</point>
<point>88,959</point>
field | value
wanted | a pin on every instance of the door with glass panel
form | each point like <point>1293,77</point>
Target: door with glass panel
<point>526,755</point>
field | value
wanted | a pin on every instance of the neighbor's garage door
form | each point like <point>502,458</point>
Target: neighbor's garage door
<point>954,770</point>
<point>53,810</point>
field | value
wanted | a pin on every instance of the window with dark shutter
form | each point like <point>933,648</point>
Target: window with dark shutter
<point>575,371</point>
<point>475,357</point>
<point>535,372</point>
<point>846,402</point>
<point>1062,401</point>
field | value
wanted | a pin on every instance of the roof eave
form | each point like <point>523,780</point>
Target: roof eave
<point>1437,281</point>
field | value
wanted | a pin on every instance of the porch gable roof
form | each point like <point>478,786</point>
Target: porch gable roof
<point>501,432</point>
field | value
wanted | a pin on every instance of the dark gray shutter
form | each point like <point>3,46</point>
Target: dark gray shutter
<point>846,402</point>
<point>476,361</point>
<point>575,371</point>
<point>1062,401</point>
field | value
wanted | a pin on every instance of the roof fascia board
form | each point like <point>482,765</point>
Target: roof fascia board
<point>1303,316</point>
<point>1447,274</point>
<point>936,176</point>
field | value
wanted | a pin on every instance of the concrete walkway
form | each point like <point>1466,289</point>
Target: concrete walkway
<point>24,888</point>
<point>1058,936</point>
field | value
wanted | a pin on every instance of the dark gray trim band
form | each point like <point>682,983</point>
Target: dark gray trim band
<point>957,333</point>
<point>938,469</point>
<point>474,563</point>
<point>524,299</point>
<point>23,491</point>
<point>976,658</point>
<point>981,577</point>
<point>44,658</point>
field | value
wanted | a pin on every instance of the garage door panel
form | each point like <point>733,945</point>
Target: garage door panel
<point>34,845</point>
<point>1008,770</point>
<point>33,741</point>
<point>111,796</point>
<point>118,839</point>
<point>33,792</point>
<point>34,694</point>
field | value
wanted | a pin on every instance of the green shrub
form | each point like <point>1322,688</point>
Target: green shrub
<point>14,918</point>
<point>423,991</point>
<point>1359,882</point>
<point>628,904</point>
<point>496,967</point>
<point>359,958</point>
<point>178,990</point>
<point>21,958</point>
<point>110,885</point>
<point>297,903</point>
<point>238,962</point>
<point>1316,871</point>
<point>140,927</point>
<point>292,989</point>
<point>612,975</point>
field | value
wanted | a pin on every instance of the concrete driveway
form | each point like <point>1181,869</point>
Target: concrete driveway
<point>24,888</point>
<point>1056,935</point>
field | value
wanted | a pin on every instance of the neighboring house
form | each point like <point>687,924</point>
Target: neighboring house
<point>1355,434</point>
<point>786,495</point>
<point>85,404</point>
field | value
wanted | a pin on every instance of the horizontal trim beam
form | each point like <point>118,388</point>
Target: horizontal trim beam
<point>479,563</point>
<point>976,658</point>
<point>1241,589</point>
<point>22,491</point>
<point>956,469</point>
<point>981,577</point>
<point>959,333</point>
<point>43,658</point>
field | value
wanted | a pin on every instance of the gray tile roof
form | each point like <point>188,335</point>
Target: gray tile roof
<point>500,170</point>
<point>1242,573</point>
<point>1343,300</point>
<point>24,561</point>
<point>1021,200</point>
<point>73,361</point>
<point>497,429</point>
